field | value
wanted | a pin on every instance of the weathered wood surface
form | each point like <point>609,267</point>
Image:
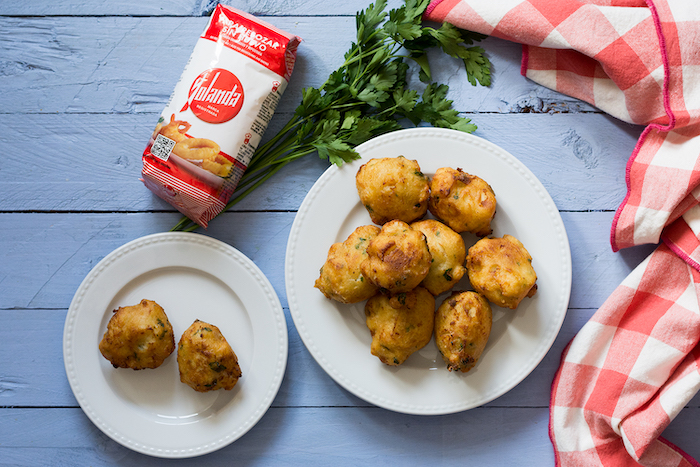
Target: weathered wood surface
<point>130,65</point>
<point>330,436</point>
<point>47,255</point>
<point>183,7</point>
<point>82,160</point>
<point>82,84</point>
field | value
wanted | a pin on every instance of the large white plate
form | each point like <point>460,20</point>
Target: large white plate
<point>192,277</point>
<point>336,334</point>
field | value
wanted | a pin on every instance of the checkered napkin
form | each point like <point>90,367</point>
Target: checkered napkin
<point>635,364</point>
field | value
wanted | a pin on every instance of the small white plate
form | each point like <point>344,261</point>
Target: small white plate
<point>191,276</point>
<point>336,334</point>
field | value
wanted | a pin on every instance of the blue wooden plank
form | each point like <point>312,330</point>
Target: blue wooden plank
<point>304,436</point>
<point>131,64</point>
<point>305,383</point>
<point>46,256</point>
<point>100,8</point>
<point>181,7</point>
<point>101,170</point>
<point>76,162</point>
<point>319,436</point>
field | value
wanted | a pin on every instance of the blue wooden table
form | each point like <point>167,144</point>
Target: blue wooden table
<point>81,87</point>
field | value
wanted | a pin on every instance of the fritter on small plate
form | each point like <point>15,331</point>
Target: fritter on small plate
<point>448,255</point>
<point>138,337</point>
<point>340,277</point>
<point>464,202</point>
<point>206,360</point>
<point>393,188</point>
<point>462,329</point>
<point>501,269</point>
<point>398,258</point>
<point>400,324</point>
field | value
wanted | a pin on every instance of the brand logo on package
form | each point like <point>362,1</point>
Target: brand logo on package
<point>216,96</point>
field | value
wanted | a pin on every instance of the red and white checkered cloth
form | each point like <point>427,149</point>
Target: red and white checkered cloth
<point>635,364</point>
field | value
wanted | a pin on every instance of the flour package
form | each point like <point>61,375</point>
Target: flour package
<point>218,112</point>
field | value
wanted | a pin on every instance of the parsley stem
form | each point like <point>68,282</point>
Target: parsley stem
<point>265,147</point>
<point>349,105</point>
<point>270,173</point>
<point>184,221</point>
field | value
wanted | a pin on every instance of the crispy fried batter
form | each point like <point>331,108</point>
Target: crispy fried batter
<point>400,324</point>
<point>448,254</point>
<point>501,269</point>
<point>464,202</point>
<point>393,188</point>
<point>199,149</point>
<point>206,360</point>
<point>398,258</point>
<point>340,277</point>
<point>138,336</point>
<point>462,329</point>
<point>174,130</point>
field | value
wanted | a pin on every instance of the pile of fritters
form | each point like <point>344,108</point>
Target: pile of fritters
<point>400,268</point>
<point>141,336</point>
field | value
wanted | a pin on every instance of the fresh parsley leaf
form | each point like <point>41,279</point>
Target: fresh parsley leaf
<point>478,67</point>
<point>336,151</point>
<point>422,60</point>
<point>367,128</point>
<point>350,119</point>
<point>450,40</point>
<point>405,99</point>
<point>385,79</point>
<point>372,96</point>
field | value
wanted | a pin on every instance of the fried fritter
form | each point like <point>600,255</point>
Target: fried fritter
<point>400,324</point>
<point>393,188</point>
<point>448,254</point>
<point>398,258</point>
<point>340,277</point>
<point>464,202</point>
<point>501,269</point>
<point>138,336</point>
<point>462,328</point>
<point>206,360</point>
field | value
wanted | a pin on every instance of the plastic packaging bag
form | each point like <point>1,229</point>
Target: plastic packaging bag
<point>218,112</point>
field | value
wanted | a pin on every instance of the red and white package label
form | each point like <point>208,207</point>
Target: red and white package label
<point>218,112</point>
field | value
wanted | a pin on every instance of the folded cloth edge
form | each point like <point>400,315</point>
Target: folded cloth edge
<point>431,7</point>
<point>653,126</point>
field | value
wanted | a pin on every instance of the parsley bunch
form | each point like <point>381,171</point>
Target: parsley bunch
<point>369,94</point>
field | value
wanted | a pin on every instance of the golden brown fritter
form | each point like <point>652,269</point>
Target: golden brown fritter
<point>398,258</point>
<point>462,328</point>
<point>138,336</point>
<point>393,188</point>
<point>400,324</point>
<point>464,202</point>
<point>448,254</point>
<point>206,360</point>
<point>341,278</point>
<point>501,269</point>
